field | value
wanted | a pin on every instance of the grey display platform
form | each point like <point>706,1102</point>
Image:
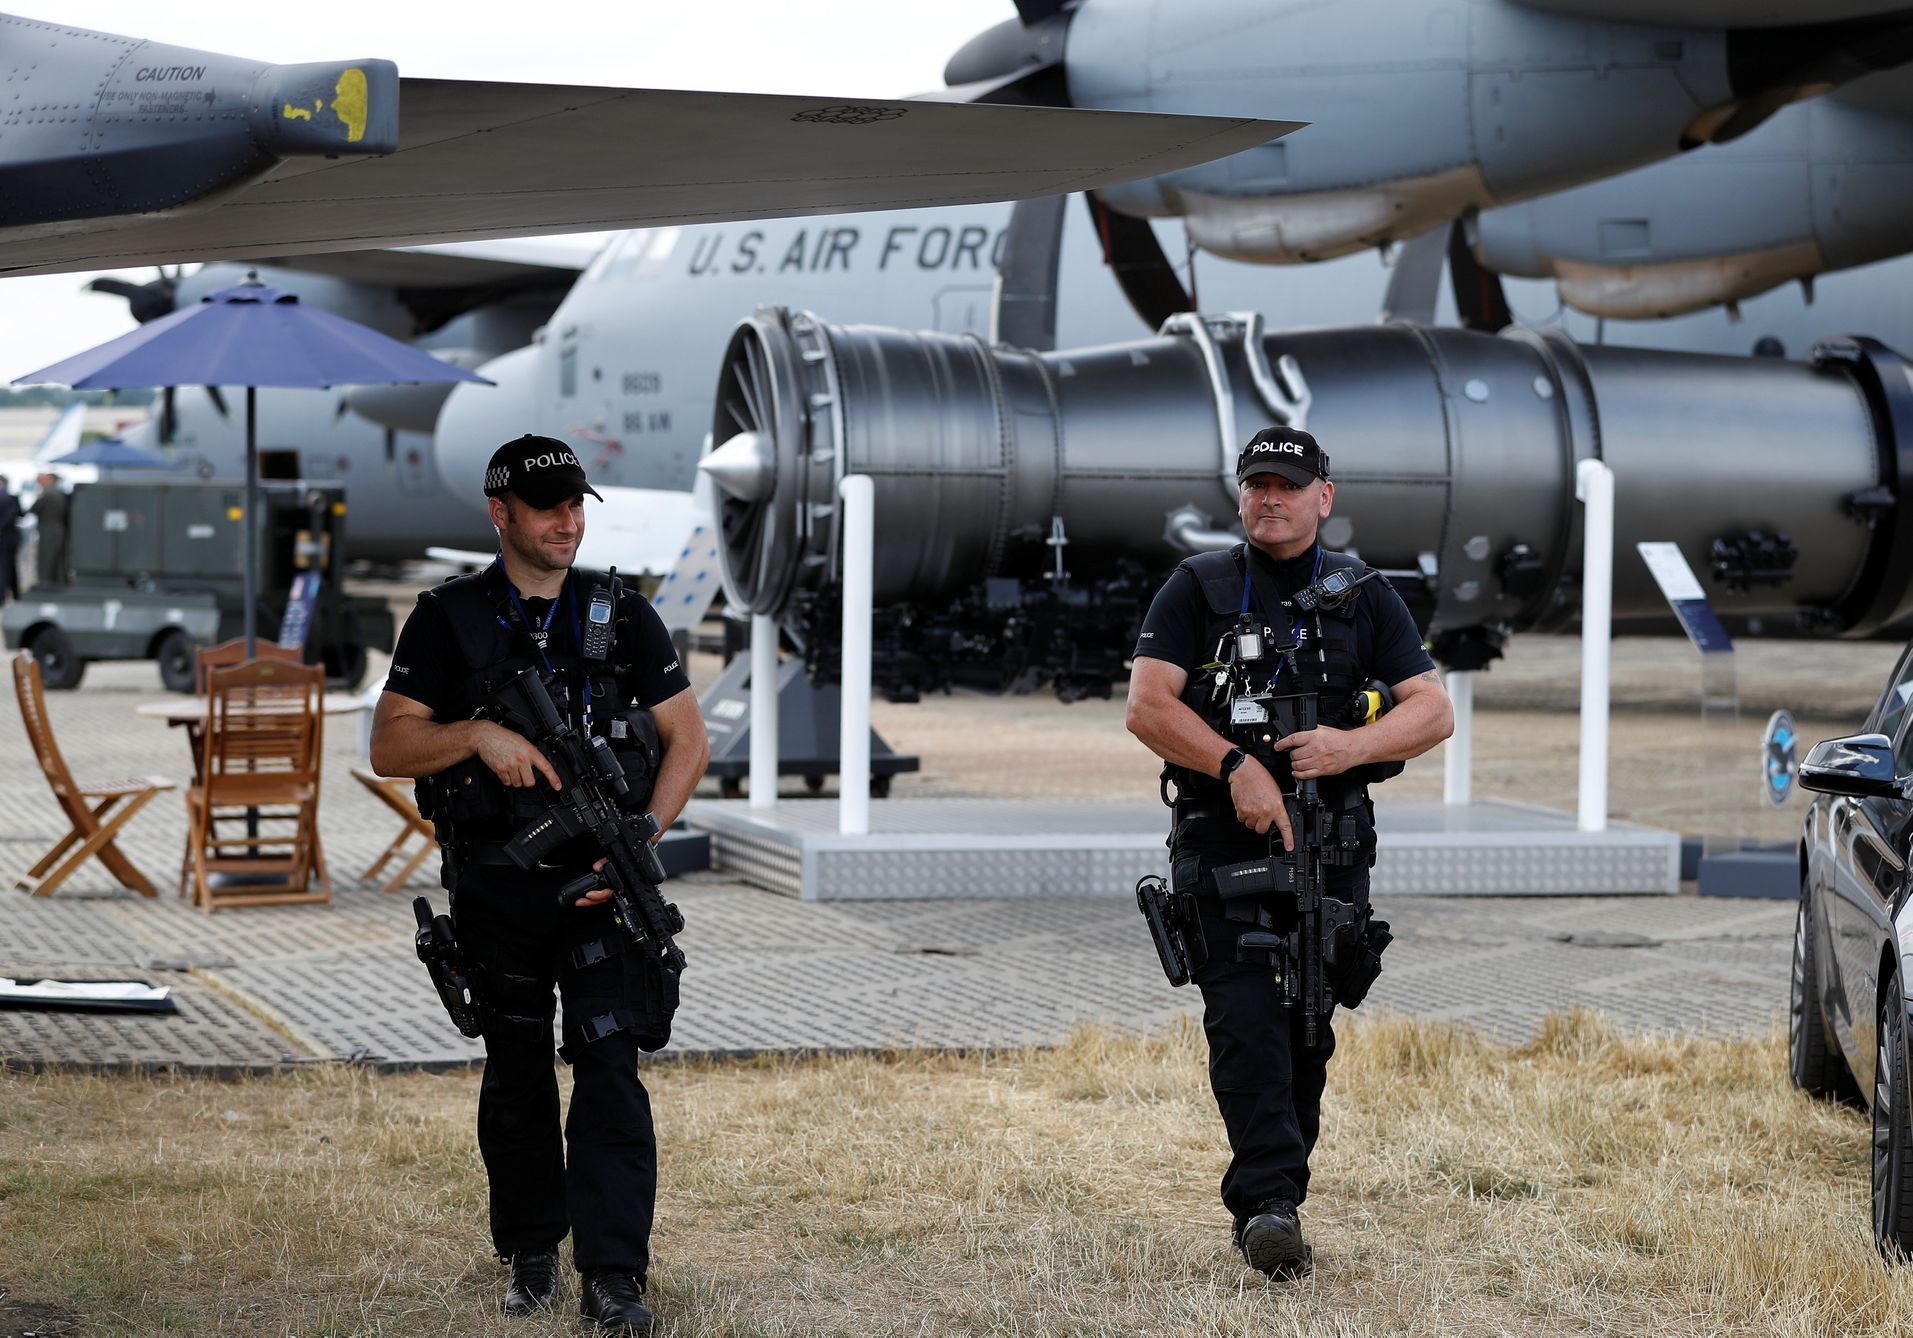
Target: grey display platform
<point>976,848</point>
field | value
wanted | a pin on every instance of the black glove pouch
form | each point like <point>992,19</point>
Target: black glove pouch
<point>1354,957</point>
<point>652,996</point>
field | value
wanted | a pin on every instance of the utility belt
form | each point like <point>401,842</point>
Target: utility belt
<point>479,1001</point>
<point>1351,939</point>
<point>1351,836</point>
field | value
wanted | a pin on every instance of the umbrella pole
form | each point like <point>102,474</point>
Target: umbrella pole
<point>248,558</point>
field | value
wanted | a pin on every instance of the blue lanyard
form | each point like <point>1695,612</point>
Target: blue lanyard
<point>1248,586</point>
<point>571,599</point>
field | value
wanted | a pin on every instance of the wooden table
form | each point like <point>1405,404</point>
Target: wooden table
<point>184,710</point>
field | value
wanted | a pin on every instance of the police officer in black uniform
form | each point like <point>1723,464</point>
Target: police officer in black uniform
<point>1267,1080</point>
<point>532,609</point>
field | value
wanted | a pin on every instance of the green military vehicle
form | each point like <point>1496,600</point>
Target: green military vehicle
<point>157,574</point>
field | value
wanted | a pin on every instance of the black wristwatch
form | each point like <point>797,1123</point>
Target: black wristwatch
<point>1232,759</point>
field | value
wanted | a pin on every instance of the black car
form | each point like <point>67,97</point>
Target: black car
<point>1847,1022</point>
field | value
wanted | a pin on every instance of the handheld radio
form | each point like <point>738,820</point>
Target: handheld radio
<point>598,617</point>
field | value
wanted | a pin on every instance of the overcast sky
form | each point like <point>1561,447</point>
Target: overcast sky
<point>853,48</point>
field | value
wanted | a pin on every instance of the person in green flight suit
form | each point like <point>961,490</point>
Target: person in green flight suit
<point>49,516</point>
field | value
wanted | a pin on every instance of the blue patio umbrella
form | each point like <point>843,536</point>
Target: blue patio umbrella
<point>112,453</point>
<point>250,336</point>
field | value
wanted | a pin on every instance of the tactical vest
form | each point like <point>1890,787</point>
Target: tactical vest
<point>467,802</point>
<point>1328,664</point>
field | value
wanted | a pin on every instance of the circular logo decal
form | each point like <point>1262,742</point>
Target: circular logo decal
<point>848,114</point>
<point>1779,758</point>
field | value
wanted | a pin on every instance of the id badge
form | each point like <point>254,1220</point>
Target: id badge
<point>1248,711</point>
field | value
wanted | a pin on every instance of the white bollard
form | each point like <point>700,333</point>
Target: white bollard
<point>853,746</point>
<point>763,711</point>
<point>1457,780</point>
<point>1594,485</point>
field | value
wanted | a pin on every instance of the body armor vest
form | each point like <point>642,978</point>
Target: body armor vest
<point>467,802</point>
<point>1328,663</point>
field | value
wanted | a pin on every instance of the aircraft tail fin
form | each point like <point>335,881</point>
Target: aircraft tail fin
<point>63,437</point>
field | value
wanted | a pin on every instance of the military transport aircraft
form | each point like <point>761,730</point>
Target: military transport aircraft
<point>1065,481</point>
<point>1485,102</point>
<point>128,151</point>
<point>467,303</point>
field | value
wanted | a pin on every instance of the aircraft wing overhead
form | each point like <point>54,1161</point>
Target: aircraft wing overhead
<point>478,160</point>
<point>432,267</point>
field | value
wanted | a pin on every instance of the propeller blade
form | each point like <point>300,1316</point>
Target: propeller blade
<point>1479,298</point>
<point>1415,283</point>
<point>118,287</point>
<point>147,301</point>
<point>219,402</point>
<point>1035,11</point>
<point>1025,312</point>
<point>168,418</point>
<point>1142,271</point>
<point>1012,64</point>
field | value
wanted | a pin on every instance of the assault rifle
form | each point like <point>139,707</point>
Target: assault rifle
<point>592,802</point>
<point>1297,954</point>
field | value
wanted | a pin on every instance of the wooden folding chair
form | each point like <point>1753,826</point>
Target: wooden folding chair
<point>93,829</point>
<point>260,760</point>
<point>396,794</point>
<point>224,656</point>
<point>228,653</point>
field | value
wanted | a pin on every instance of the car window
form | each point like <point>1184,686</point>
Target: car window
<point>1893,706</point>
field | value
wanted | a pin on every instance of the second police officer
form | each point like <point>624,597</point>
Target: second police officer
<point>597,1180</point>
<point>1267,1080</point>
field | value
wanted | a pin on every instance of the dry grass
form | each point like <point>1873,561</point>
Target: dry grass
<point>1590,1182</point>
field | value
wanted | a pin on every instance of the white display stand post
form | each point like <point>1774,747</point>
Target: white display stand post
<point>853,749</point>
<point>1458,757</point>
<point>1594,486</point>
<point>763,774</point>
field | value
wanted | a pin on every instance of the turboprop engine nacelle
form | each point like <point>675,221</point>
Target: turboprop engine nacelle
<point>1029,504</point>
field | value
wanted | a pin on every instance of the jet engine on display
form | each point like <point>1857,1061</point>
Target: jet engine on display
<point>1030,504</point>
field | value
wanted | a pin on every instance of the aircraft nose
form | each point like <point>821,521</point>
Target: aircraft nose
<point>743,467</point>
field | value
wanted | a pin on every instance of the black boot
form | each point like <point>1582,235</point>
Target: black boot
<point>615,1299</point>
<point>534,1281</point>
<point>1271,1241</point>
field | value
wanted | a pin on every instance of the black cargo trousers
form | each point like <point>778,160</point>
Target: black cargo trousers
<point>1267,1082</point>
<point>599,1179</point>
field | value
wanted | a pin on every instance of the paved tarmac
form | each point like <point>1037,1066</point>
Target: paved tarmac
<point>267,986</point>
